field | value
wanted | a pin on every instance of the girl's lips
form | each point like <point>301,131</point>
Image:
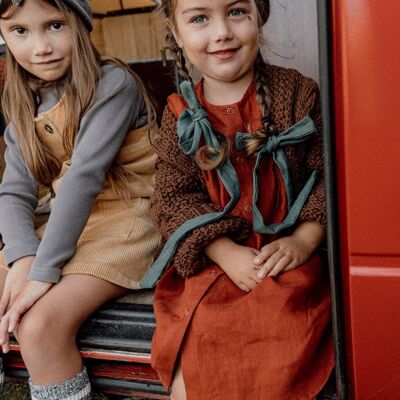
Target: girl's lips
<point>47,62</point>
<point>224,54</point>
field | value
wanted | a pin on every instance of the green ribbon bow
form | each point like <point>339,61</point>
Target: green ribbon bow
<point>193,125</point>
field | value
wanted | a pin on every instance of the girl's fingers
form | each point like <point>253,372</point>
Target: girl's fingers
<point>14,319</point>
<point>5,300</point>
<point>291,265</point>
<point>265,253</point>
<point>6,345</point>
<point>4,330</point>
<point>269,264</point>
<point>280,266</point>
<point>243,287</point>
<point>254,276</point>
<point>251,283</point>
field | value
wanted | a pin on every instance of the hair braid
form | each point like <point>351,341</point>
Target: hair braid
<point>177,55</point>
<point>264,99</point>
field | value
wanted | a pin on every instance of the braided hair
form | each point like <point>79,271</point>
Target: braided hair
<point>264,99</point>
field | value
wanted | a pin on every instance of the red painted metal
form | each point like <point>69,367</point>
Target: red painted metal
<point>108,355</point>
<point>367,103</point>
<point>123,366</point>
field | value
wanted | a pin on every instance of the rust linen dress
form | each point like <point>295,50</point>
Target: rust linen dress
<point>273,343</point>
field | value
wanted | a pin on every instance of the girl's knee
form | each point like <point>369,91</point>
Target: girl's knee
<point>40,327</point>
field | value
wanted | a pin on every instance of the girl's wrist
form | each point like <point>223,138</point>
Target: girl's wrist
<point>311,233</point>
<point>219,249</point>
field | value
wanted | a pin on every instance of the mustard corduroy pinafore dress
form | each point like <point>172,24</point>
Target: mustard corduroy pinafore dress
<point>119,241</point>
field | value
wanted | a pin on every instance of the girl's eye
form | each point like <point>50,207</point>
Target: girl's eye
<point>56,26</point>
<point>19,31</point>
<point>237,12</point>
<point>199,19</point>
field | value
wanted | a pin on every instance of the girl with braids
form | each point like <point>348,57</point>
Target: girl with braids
<point>79,129</point>
<point>243,312</point>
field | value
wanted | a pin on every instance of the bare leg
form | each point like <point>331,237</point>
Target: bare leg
<point>47,332</point>
<point>178,385</point>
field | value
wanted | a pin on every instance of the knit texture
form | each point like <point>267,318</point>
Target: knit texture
<point>83,9</point>
<point>76,388</point>
<point>295,96</point>
<point>180,192</point>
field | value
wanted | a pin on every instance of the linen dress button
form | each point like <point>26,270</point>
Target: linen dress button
<point>248,208</point>
<point>186,312</point>
<point>230,110</point>
<point>48,128</point>
<point>239,159</point>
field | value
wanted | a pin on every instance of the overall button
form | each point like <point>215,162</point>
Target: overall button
<point>212,273</point>
<point>48,128</point>
<point>230,110</point>
<point>248,208</point>
<point>186,312</point>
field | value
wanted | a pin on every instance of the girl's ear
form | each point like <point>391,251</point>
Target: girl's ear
<point>176,35</point>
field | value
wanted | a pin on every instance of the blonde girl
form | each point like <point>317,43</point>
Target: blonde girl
<point>243,312</point>
<point>79,133</point>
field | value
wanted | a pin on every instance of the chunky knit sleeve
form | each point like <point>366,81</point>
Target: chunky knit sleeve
<point>309,103</point>
<point>179,196</point>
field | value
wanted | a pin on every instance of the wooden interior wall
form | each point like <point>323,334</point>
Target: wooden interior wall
<point>132,37</point>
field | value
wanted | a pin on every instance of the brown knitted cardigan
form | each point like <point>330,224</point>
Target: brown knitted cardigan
<point>180,192</point>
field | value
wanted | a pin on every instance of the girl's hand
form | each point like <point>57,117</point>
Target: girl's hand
<point>291,251</point>
<point>236,261</point>
<point>30,294</point>
<point>15,282</point>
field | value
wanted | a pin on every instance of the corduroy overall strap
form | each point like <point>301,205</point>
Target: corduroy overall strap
<point>193,124</point>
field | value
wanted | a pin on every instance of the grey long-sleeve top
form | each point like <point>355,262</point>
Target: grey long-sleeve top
<point>118,108</point>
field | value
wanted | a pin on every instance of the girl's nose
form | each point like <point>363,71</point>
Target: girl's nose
<point>42,46</point>
<point>223,30</point>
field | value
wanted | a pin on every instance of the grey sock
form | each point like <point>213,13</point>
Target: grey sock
<point>76,388</point>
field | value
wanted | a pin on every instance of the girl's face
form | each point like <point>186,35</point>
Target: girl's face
<point>219,37</point>
<point>38,36</point>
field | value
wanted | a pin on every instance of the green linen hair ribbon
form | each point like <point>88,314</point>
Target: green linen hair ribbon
<point>192,126</point>
<point>297,133</point>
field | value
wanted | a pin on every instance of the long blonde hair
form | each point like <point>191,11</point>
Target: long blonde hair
<point>79,85</point>
<point>207,158</point>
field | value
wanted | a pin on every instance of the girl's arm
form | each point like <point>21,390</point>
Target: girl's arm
<point>18,200</point>
<point>117,105</point>
<point>179,196</point>
<point>236,261</point>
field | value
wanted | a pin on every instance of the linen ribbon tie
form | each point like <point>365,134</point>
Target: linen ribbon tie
<point>274,145</point>
<point>192,126</point>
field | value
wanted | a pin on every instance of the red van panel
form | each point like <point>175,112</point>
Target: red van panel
<point>366,56</point>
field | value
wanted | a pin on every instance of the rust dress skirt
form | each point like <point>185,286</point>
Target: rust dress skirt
<point>273,343</point>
